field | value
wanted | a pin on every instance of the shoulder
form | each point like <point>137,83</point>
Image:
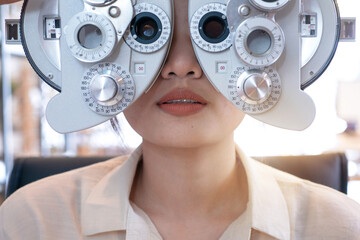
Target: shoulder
<point>324,211</point>
<point>69,181</point>
<point>56,197</point>
<point>317,210</point>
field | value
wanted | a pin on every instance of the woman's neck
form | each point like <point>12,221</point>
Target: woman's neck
<point>197,182</point>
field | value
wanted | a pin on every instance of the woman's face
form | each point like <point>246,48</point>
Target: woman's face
<point>206,117</point>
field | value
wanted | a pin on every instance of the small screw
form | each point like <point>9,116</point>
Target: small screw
<point>114,12</point>
<point>50,76</point>
<point>244,10</point>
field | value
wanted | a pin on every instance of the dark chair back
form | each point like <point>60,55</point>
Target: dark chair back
<point>27,170</point>
<point>327,169</point>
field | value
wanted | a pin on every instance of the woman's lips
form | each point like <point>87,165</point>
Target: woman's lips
<point>182,102</point>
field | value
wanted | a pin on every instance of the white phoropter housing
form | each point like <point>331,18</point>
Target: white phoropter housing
<point>261,54</point>
<point>101,55</point>
<point>89,51</point>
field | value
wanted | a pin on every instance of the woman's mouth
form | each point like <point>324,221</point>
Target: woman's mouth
<point>182,102</point>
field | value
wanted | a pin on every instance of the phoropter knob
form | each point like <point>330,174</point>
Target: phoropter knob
<point>254,86</point>
<point>103,88</point>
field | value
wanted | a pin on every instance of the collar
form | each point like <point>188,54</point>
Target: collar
<point>269,212</point>
<point>107,206</point>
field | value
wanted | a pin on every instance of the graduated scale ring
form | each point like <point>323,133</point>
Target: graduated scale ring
<point>269,5</point>
<point>259,41</point>
<point>91,37</point>
<point>149,30</point>
<point>107,88</point>
<point>209,28</point>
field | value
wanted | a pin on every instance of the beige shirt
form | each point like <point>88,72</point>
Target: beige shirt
<point>93,203</point>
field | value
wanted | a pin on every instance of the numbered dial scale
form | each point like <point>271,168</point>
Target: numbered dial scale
<point>150,29</point>
<point>91,37</point>
<point>209,28</point>
<point>259,41</point>
<point>107,88</point>
<point>254,91</point>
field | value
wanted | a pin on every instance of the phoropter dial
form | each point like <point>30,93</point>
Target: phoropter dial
<point>254,87</point>
<point>91,37</point>
<point>104,88</point>
<point>107,88</point>
<point>259,41</point>
<point>254,91</point>
<point>209,28</point>
<point>149,30</point>
<point>269,5</point>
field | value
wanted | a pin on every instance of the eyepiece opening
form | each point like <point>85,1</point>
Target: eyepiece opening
<point>90,36</point>
<point>258,42</point>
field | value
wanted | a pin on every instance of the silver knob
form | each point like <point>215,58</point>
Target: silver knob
<point>254,86</point>
<point>103,88</point>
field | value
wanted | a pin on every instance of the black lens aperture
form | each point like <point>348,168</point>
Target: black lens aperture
<point>147,27</point>
<point>213,27</point>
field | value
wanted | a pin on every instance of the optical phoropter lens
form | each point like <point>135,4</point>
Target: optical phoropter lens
<point>209,28</point>
<point>258,42</point>
<point>149,30</point>
<point>213,27</point>
<point>270,1</point>
<point>90,36</point>
<point>146,27</point>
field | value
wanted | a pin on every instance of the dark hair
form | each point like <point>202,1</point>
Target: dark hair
<point>125,148</point>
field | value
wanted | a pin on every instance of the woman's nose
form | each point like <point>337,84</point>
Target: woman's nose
<point>181,61</point>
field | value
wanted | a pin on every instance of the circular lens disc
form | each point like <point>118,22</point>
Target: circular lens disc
<point>146,28</point>
<point>209,28</point>
<point>149,30</point>
<point>90,36</point>
<point>214,27</point>
<point>259,41</point>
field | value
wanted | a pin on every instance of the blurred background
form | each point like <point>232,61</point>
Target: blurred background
<point>24,131</point>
